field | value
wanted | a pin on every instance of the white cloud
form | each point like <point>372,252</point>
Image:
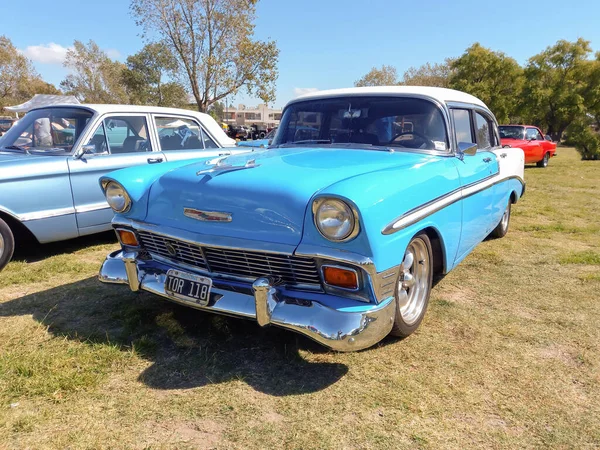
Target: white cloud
<point>53,53</point>
<point>113,53</point>
<point>46,53</point>
<point>301,91</point>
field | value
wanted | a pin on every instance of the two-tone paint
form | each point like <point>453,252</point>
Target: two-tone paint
<point>456,198</point>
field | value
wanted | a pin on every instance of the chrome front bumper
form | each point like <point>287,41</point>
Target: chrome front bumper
<point>339,330</point>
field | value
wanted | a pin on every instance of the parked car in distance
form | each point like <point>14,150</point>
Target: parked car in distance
<point>50,162</point>
<point>538,148</point>
<point>6,123</point>
<point>337,237</point>
<point>259,143</point>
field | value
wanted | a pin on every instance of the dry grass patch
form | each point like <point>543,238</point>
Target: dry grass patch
<point>507,356</point>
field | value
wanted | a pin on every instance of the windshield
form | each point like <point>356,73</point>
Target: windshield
<point>367,121</point>
<point>511,132</point>
<point>49,131</point>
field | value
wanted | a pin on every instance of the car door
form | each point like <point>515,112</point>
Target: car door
<point>475,172</point>
<point>114,142</point>
<point>535,140</point>
<point>182,137</point>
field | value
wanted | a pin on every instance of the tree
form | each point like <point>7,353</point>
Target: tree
<point>216,111</point>
<point>214,46</point>
<point>491,76</point>
<point>95,78</point>
<point>386,76</point>
<point>18,80</point>
<point>436,75</point>
<point>146,74</point>
<point>556,85</point>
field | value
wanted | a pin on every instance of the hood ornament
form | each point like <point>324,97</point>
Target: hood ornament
<point>207,216</point>
<point>220,167</point>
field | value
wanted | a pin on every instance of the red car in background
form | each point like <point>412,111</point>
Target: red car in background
<point>537,148</point>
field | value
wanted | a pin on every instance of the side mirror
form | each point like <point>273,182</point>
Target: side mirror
<point>466,148</point>
<point>89,149</point>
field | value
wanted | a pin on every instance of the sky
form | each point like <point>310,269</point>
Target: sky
<point>324,44</point>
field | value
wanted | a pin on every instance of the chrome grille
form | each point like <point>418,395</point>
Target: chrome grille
<point>240,263</point>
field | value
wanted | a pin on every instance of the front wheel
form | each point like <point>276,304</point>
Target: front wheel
<point>544,162</point>
<point>413,286</point>
<point>502,228</point>
<point>7,244</point>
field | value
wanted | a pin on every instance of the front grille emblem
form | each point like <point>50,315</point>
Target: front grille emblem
<point>207,216</point>
<point>171,250</point>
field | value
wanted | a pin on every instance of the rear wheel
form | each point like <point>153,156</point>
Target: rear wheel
<point>414,286</point>
<point>544,162</point>
<point>502,228</point>
<point>7,244</point>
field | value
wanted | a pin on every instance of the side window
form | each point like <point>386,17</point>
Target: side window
<point>123,134</point>
<point>484,131</point>
<point>127,134</point>
<point>178,133</point>
<point>208,142</point>
<point>98,140</point>
<point>533,133</point>
<point>462,125</point>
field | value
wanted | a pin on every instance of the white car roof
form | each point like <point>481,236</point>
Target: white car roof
<point>442,95</point>
<point>209,123</point>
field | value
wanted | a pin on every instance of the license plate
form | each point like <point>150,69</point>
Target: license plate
<point>188,287</point>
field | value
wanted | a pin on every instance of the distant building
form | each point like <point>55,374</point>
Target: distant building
<point>262,116</point>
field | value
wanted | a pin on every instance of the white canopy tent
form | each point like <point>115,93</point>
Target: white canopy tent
<point>39,100</point>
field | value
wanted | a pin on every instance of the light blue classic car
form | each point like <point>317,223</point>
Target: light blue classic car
<point>51,160</point>
<point>337,236</point>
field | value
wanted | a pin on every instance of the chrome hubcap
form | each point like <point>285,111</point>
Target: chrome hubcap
<point>505,217</point>
<point>414,281</point>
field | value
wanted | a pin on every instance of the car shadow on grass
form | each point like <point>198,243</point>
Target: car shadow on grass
<point>29,250</point>
<point>188,348</point>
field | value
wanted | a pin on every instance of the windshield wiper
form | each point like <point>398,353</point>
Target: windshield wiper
<point>312,141</point>
<point>16,147</point>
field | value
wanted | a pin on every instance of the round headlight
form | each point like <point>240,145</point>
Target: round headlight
<point>335,219</point>
<point>117,197</point>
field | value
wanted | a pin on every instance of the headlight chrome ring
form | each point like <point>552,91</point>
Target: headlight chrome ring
<point>117,197</point>
<point>335,219</point>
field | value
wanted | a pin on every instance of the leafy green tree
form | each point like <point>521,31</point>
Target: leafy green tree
<point>217,110</point>
<point>491,76</point>
<point>214,46</point>
<point>436,75</point>
<point>556,84</point>
<point>146,77</point>
<point>583,134</point>
<point>94,77</point>
<point>18,79</point>
<point>386,76</point>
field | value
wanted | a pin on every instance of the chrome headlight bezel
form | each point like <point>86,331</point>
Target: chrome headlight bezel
<point>107,186</point>
<point>344,207</point>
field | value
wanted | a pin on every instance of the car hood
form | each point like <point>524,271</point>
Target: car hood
<point>268,199</point>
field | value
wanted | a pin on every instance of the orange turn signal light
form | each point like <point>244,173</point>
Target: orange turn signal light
<point>338,277</point>
<point>127,238</point>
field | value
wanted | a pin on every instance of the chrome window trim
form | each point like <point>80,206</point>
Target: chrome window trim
<point>97,119</point>
<point>421,212</point>
<point>335,266</point>
<point>154,116</point>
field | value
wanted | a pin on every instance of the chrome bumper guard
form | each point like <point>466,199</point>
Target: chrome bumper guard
<point>339,330</point>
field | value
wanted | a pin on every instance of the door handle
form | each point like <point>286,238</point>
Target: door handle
<point>487,160</point>
<point>155,160</point>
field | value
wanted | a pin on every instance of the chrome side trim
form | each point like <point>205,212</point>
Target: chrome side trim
<point>46,214</point>
<point>417,214</point>
<point>339,330</point>
<point>92,207</point>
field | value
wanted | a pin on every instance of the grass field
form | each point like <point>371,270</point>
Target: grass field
<point>508,355</point>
